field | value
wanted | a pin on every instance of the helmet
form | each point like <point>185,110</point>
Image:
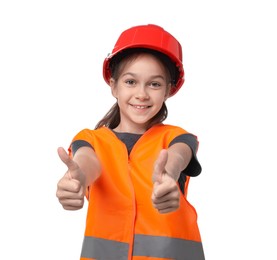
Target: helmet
<point>150,37</point>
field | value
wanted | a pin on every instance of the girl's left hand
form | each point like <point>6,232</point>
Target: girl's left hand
<point>166,195</point>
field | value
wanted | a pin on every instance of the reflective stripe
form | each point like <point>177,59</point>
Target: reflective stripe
<point>105,249</point>
<point>166,247</point>
<point>148,246</point>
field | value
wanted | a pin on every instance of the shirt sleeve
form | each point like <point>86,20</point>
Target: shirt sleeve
<point>78,144</point>
<point>84,138</point>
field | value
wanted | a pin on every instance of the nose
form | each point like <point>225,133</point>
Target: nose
<point>142,93</point>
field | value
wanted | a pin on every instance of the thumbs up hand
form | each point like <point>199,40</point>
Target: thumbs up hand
<point>71,187</point>
<point>165,196</point>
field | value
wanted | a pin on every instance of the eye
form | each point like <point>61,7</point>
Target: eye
<point>155,84</point>
<point>130,82</point>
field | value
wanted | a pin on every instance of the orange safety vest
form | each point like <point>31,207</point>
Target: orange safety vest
<point>121,220</point>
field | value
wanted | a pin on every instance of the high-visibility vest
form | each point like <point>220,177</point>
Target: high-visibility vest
<point>121,220</point>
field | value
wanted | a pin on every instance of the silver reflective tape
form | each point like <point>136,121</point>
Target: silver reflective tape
<point>104,249</point>
<point>144,245</point>
<point>166,247</point>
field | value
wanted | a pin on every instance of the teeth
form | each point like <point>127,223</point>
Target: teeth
<point>140,107</point>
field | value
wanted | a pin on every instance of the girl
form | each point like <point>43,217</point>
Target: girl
<point>133,169</point>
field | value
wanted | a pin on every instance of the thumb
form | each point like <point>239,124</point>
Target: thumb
<point>159,166</point>
<point>71,165</point>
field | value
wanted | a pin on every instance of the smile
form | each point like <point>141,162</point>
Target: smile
<point>140,107</point>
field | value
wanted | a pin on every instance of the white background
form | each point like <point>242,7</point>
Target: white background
<point>51,86</point>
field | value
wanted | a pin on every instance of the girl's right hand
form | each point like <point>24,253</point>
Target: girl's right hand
<point>70,188</point>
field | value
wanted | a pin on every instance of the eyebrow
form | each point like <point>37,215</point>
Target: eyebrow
<point>134,75</point>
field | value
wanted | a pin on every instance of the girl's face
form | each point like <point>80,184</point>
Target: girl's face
<point>140,90</point>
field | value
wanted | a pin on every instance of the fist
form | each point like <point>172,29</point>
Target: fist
<point>166,195</point>
<point>70,191</point>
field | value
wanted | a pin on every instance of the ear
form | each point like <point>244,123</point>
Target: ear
<point>167,91</point>
<point>113,87</point>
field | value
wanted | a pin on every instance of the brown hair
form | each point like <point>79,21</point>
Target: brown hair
<point>112,117</point>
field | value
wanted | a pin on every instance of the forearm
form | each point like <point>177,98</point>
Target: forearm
<point>179,156</point>
<point>89,164</point>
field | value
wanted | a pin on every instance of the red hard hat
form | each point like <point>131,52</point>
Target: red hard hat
<point>150,37</point>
